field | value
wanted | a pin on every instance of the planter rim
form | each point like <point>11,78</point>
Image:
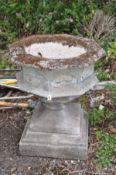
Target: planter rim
<point>93,52</point>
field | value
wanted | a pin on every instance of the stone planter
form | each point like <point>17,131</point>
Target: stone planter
<point>57,68</point>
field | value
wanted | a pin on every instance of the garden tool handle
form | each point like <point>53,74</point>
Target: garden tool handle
<point>11,104</point>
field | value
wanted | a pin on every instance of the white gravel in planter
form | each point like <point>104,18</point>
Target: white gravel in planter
<point>54,50</point>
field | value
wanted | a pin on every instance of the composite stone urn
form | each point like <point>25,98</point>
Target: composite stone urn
<point>58,69</point>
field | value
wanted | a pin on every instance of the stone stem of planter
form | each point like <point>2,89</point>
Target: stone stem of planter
<point>58,69</point>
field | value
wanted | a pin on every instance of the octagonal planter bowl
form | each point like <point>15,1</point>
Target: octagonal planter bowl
<point>52,73</point>
<point>57,68</point>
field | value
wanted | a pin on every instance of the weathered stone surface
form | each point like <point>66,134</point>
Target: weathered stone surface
<point>21,57</point>
<point>59,133</point>
<point>56,129</point>
<point>57,83</point>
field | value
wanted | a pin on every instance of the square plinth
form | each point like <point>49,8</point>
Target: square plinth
<point>57,133</point>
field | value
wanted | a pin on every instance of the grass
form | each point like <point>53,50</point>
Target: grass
<point>110,86</point>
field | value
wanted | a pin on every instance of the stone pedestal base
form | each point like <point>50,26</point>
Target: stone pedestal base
<point>56,132</point>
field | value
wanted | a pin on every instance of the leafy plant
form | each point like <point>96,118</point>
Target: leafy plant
<point>98,116</point>
<point>98,65</point>
<point>106,149</point>
<point>111,87</point>
<point>111,51</point>
<point>5,62</point>
<point>110,8</point>
<point>22,18</point>
<point>101,75</point>
<point>5,39</point>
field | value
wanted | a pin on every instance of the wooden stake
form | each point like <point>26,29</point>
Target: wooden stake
<point>11,104</point>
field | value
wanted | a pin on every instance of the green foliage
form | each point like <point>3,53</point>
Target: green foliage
<point>114,76</point>
<point>100,3</point>
<point>98,65</point>
<point>111,87</point>
<point>110,48</point>
<point>111,51</point>
<point>21,18</point>
<point>99,68</point>
<point>113,95</point>
<point>101,75</point>
<point>107,40</point>
<point>5,63</point>
<point>97,116</point>
<point>4,40</point>
<point>110,8</point>
<point>106,149</point>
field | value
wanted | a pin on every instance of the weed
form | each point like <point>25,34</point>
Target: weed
<point>111,87</point>
<point>5,63</point>
<point>106,148</point>
<point>98,116</point>
<point>101,75</point>
<point>111,50</point>
<point>98,65</point>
